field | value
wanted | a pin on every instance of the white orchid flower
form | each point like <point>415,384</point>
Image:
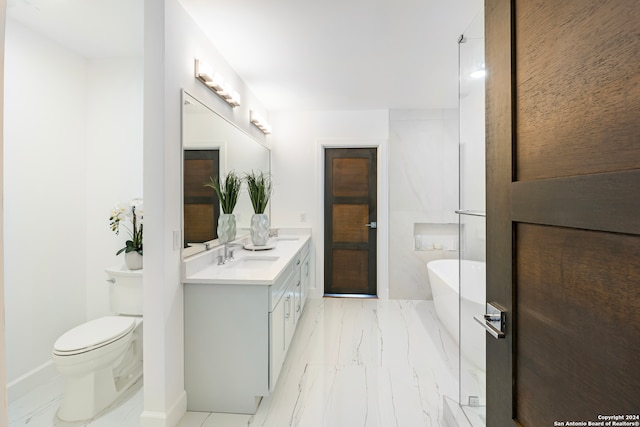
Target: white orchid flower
<point>133,213</point>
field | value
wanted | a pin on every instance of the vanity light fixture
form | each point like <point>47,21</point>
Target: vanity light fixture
<point>213,81</point>
<point>257,120</point>
<point>204,72</point>
<point>216,83</point>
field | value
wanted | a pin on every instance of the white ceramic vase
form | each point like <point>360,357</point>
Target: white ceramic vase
<point>133,260</point>
<point>259,229</point>
<point>226,228</point>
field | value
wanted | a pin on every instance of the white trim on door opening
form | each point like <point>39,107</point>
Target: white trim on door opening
<point>383,209</point>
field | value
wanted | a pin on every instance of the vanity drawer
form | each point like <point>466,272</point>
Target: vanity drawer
<point>280,287</point>
<point>305,250</point>
<point>290,278</point>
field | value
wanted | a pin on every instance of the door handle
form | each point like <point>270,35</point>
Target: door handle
<point>288,312</point>
<point>494,320</point>
<point>372,224</point>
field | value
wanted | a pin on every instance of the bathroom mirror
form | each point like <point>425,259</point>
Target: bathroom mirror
<point>212,142</point>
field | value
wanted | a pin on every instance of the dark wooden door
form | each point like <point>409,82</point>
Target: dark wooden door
<point>350,221</point>
<point>201,204</point>
<point>563,210</point>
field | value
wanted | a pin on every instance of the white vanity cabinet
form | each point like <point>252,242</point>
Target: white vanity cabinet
<point>305,279</point>
<point>238,329</point>
<point>282,320</point>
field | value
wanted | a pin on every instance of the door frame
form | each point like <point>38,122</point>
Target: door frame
<point>498,131</point>
<point>382,247</point>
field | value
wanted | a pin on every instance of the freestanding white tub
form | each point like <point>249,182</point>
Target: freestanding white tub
<point>444,276</point>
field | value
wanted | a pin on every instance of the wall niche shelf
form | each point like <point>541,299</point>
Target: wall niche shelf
<point>435,236</point>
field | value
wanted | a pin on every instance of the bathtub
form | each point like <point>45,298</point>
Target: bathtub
<point>445,284</point>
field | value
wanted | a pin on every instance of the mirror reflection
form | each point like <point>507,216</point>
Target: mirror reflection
<point>212,146</point>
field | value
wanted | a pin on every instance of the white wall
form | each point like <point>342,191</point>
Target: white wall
<point>73,148</point>
<point>297,168</point>
<point>114,165</point>
<point>4,422</point>
<point>172,42</point>
<point>423,186</point>
<point>45,196</point>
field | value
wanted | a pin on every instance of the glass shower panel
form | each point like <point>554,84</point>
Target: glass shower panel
<point>472,303</point>
<point>472,222</point>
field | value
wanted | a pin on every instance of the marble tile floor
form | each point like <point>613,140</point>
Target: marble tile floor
<point>352,362</point>
<point>39,408</point>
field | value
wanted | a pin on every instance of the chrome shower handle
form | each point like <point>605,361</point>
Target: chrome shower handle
<point>494,320</point>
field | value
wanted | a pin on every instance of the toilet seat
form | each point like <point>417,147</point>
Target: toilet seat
<point>94,334</point>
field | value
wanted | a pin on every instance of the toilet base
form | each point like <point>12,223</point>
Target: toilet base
<point>86,397</point>
<point>94,387</point>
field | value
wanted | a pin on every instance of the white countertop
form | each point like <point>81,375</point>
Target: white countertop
<point>248,267</point>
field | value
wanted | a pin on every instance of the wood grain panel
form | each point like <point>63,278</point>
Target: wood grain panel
<point>561,376</point>
<point>577,87</point>
<point>196,174</point>
<point>350,272</point>
<point>202,226</point>
<point>604,202</point>
<point>569,118</point>
<point>351,177</point>
<point>350,203</point>
<point>201,205</point>
<point>349,223</point>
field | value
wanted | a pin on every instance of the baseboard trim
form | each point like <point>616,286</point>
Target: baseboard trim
<point>29,381</point>
<point>171,418</point>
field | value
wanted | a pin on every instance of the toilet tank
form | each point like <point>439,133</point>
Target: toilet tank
<point>125,290</point>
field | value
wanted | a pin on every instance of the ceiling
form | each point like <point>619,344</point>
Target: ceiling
<point>91,28</point>
<point>293,54</point>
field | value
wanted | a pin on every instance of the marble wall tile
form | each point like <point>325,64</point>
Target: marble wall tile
<point>423,188</point>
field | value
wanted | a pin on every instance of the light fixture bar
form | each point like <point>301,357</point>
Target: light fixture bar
<point>216,83</point>
<point>259,122</point>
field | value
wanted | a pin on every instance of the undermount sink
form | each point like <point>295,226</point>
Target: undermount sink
<point>254,262</point>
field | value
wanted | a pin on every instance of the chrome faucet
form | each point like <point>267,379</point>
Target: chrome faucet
<point>228,250</point>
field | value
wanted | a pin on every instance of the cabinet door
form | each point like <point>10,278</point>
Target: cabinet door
<point>297,296</point>
<point>289,315</point>
<point>277,350</point>
<point>305,281</point>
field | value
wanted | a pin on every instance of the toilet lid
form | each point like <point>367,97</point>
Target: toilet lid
<point>96,333</point>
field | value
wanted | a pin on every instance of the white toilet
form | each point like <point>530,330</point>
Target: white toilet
<point>102,358</point>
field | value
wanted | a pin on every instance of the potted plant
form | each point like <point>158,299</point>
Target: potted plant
<point>260,187</point>
<point>129,215</point>
<point>227,192</point>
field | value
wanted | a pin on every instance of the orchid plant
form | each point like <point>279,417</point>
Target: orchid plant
<point>128,215</point>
